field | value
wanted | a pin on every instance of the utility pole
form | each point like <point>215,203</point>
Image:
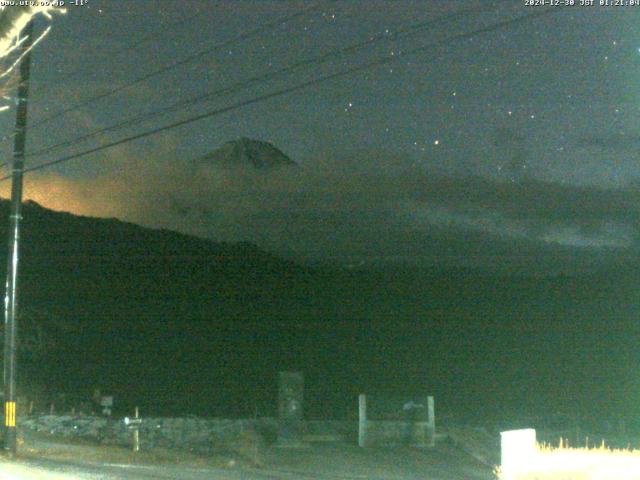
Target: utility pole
<point>11,297</point>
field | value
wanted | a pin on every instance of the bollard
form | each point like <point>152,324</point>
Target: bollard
<point>362,420</point>
<point>431,422</point>
<point>134,424</point>
<point>136,434</point>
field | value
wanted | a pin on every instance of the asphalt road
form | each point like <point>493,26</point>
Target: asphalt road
<point>45,457</point>
<point>45,469</point>
<point>50,470</point>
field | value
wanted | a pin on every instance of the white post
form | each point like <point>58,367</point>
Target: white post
<point>136,433</point>
<point>431,418</point>
<point>518,448</point>
<point>362,423</point>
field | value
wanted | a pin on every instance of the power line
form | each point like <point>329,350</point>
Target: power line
<point>408,31</point>
<point>171,66</point>
<point>277,93</point>
<point>301,86</point>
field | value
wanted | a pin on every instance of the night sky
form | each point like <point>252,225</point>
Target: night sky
<point>502,148</point>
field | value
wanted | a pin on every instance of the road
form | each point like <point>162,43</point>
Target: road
<point>45,457</point>
<point>57,470</point>
<point>46,469</point>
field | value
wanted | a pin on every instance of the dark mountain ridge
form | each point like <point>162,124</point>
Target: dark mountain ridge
<point>179,324</point>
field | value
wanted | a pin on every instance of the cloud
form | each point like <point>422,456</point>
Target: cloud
<point>354,207</point>
<point>495,223</point>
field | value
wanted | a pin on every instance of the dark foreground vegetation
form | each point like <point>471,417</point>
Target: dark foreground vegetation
<point>180,325</point>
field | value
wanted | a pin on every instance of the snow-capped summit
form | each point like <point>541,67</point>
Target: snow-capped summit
<point>246,152</point>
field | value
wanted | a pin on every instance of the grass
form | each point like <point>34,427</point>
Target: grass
<point>588,463</point>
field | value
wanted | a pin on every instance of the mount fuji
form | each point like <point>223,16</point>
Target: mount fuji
<point>246,153</point>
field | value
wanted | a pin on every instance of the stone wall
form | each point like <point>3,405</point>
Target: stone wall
<point>391,432</point>
<point>199,435</point>
<point>210,435</point>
